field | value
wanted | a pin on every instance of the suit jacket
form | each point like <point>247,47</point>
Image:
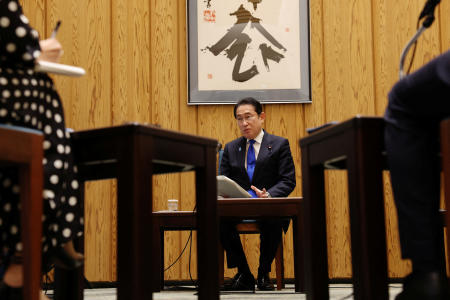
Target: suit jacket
<point>421,98</point>
<point>274,168</point>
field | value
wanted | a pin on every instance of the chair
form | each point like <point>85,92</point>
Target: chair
<point>185,220</point>
<point>248,226</point>
<point>22,147</point>
<point>445,152</point>
<point>251,227</point>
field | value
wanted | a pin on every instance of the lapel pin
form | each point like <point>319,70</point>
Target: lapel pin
<point>239,149</point>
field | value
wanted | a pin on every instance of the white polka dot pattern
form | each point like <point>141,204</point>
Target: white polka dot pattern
<point>4,22</point>
<point>29,99</point>
<point>12,6</point>
<point>23,41</point>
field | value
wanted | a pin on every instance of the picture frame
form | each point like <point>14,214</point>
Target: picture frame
<point>248,48</point>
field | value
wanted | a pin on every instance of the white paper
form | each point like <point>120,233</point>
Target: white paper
<point>61,69</point>
<point>227,188</point>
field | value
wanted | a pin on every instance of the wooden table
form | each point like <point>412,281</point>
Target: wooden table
<point>260,208</point>
<point>132,153</point>
<point>243,208</point>
<point>163,221</point>
<point>355,145</point>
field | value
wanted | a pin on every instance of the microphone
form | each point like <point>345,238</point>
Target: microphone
<point>428,11</point>
<point>219,146</point>
<point>429,7</point>
<point>428,14</point>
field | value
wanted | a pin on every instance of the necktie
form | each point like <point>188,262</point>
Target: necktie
<point>251,159</point>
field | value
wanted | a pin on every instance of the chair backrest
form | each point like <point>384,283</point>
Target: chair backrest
<point>219,162</point>
<point>22,147</point>
<point>20,129</point>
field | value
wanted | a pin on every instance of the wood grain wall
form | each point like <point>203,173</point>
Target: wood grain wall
<point>135,57</point>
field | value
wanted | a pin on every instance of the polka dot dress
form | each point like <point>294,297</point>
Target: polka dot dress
<point>29,99</point>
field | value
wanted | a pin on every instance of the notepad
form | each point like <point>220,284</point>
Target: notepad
<point>61,69</point>
<point>230,189</point>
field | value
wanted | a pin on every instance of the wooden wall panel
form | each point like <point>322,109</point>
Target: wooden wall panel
<point>392,30</point>
<point>130,78</point>
<point>135,55</point>
<point>349,91</point>
<point>188,124</point>
<point>130,60</point>
<point>444,21</point>
<point>315,114</point>
<point>348,59</point>
<point>36,10</point>
<point>86,36</point>
<point>388,46</point>
<point>166,107</point>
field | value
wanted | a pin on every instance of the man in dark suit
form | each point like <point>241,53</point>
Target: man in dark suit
<point>417,104</point>
<point>262,164</point>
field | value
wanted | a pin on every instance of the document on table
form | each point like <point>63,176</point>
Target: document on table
<point>228,188</point>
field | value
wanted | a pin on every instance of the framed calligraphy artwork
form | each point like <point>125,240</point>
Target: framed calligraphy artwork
<point>248,48</point>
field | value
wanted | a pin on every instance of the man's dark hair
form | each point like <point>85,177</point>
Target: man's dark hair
<point>252,101</point>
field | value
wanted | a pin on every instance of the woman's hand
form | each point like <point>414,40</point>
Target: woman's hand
<point>51,50</point>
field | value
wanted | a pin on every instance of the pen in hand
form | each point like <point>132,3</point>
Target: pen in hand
<point>51,49</point>
<point>55,31</point>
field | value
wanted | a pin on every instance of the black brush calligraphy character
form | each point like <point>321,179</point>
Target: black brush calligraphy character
<point>239,42</point>
<point>238,50</point>
<point>268,53</point>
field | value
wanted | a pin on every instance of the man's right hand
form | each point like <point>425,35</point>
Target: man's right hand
<point>260,193</point>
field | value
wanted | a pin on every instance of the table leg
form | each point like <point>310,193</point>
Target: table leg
<point>315,235</point>
<point>367,223</point>
<point>31,182</point>
<point>445,150</point>
<point>69,284</point>
<point>158,255</point>
<point>207,228</point>
<point>298,237</point>
<point>134,219</point>
<point>161,258</point>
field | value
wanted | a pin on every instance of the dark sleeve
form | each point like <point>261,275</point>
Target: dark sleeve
<point>286,173</point>
<point>19,43</point>
<point>225,162</point>
<point>423,92</point>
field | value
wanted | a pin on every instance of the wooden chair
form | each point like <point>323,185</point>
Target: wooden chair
<point>22,147</point>
<point>445,153</point>
<point>185,220</point>
<point>251,227</point>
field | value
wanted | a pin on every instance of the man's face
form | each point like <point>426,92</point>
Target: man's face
<point>248,121</point>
